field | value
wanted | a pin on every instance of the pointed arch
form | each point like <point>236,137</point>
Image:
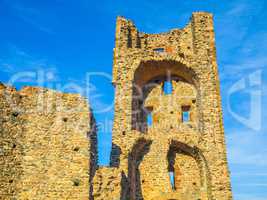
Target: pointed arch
<point>192,176</point>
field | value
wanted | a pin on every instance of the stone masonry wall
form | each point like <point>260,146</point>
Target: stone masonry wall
<point>11,143</point>
<point>145,154</point>
<point>46,140</point>
<point>48,143</point>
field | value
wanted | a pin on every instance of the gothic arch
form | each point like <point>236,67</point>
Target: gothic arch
<point>151,73</point>
<point>192,176</point>
<point>148,69</point>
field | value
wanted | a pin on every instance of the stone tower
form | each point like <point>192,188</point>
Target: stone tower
<point>168,138</point>
<point>167,143</point>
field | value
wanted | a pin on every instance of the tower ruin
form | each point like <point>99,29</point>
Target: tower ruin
<point>168,136</point>
<point>166,144</point>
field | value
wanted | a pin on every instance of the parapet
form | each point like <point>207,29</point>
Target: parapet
<point>193,42</point>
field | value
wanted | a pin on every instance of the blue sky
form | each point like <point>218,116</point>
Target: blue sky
<point>67,39</point>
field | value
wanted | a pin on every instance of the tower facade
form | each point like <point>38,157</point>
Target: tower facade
<point>168,136</point>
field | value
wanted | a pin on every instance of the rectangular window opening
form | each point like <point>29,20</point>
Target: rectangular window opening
<point>172,180</point>
<point>185,113</point>
<point>149,119</point>
<point>167,87</point>
<point>159,50</point>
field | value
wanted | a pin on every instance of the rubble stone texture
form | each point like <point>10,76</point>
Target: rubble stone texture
<point>48,139</point>
<point>44,145</point>
<point>145,155</point>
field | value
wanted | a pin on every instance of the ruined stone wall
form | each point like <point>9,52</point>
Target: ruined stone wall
<point>11,143</point>
<point>107,183</point>
<point>49,149</point>
<point>48,139</point>
<point>195,151</point>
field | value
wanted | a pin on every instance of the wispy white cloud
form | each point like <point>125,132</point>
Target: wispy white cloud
<point>26,67</point>
<point>30,16</point>
<point>248,58</point>
<point>238,10</point>
<point>241,67</point>
<point>234,30</point>
<point>94,96</point>
<point>6,67</point>
<point>247,148</point>
<point>17,60</point>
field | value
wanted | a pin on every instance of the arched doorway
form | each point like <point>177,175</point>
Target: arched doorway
<point>191,174</point>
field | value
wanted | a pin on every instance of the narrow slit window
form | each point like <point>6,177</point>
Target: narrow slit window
<point>185,113</point>
<point>172,181</point>
<point>149,119</point>
<point>159,50</point>
<point>167,87</point>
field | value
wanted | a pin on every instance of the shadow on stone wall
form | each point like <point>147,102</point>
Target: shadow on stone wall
<point>140,149</point>
<point>115,156</point>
